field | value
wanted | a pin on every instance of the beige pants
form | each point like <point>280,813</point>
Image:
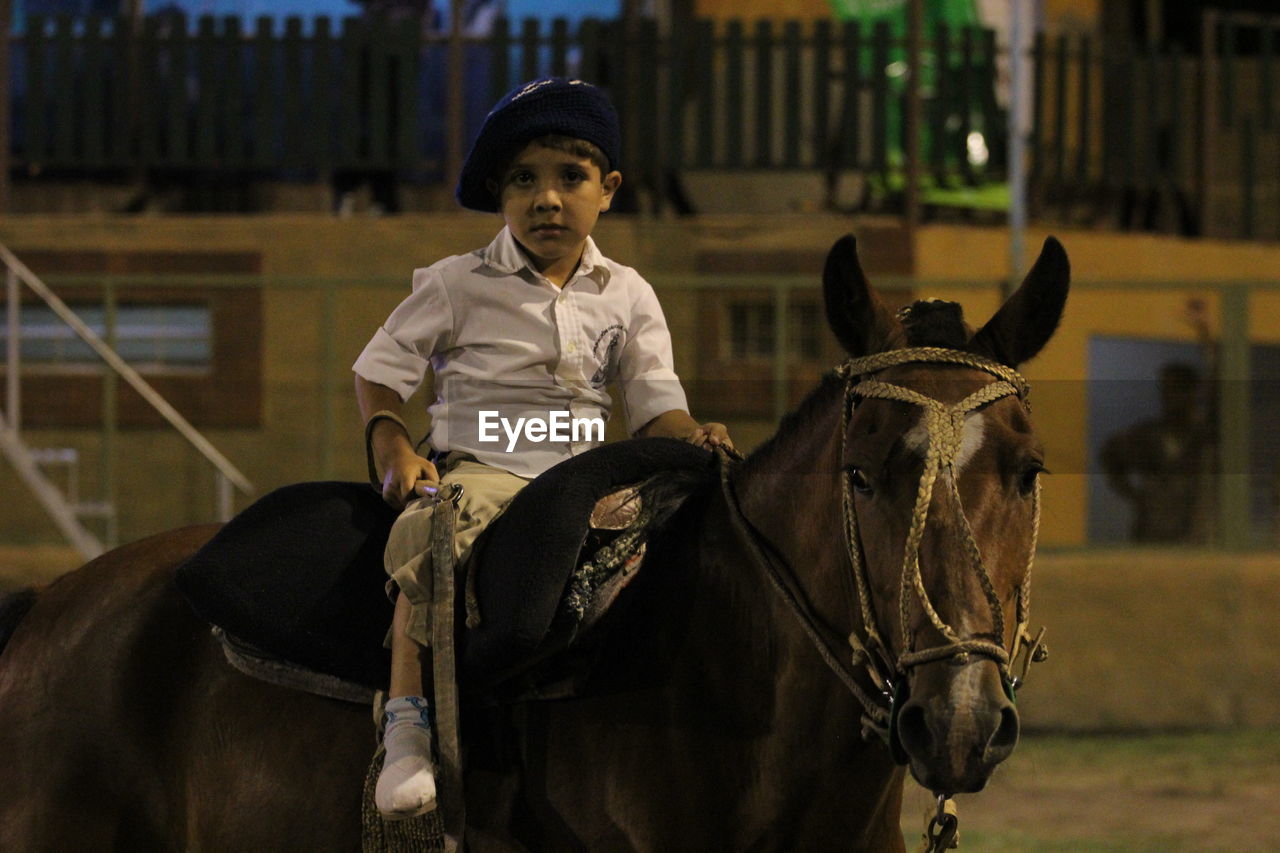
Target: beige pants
<point>485,491</point>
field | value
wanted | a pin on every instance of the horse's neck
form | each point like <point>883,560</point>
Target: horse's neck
<point>796,717</point>
<point>790,495</point>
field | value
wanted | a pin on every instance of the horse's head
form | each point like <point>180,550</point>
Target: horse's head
<point>941,500</point>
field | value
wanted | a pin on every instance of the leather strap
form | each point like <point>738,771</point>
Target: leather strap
<point>445,688</point>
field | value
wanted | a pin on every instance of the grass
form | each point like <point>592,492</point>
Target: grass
<point>1203,792</point>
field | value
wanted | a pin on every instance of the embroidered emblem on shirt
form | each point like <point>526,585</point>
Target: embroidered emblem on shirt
<point>605,349</point>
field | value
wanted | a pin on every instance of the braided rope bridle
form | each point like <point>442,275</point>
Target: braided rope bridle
<point>944,425</point>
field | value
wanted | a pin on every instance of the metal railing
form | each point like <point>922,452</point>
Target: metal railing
<point>228,477</point>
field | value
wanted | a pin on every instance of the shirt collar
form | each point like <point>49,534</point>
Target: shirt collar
<point>504,255</point>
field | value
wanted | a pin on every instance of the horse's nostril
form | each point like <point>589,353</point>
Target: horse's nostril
<point>913,731</point>
<point>1005,737</point>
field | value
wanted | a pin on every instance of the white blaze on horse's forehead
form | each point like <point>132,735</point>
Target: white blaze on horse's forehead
<point>917,438</point>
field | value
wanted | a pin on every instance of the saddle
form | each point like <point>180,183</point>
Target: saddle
<point>296,580</point>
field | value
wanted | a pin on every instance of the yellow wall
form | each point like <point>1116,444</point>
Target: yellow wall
<point>1060,411</point>
<point>377,254</point>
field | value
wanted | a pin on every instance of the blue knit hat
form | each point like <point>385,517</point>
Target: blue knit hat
<point>550,105</point>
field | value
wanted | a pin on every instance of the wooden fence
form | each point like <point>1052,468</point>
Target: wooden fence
<point>1151,139</point>
<point>93,95</point>
<point>1157,139</point>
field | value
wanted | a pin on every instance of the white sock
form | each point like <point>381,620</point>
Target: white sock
<point>407,784</point>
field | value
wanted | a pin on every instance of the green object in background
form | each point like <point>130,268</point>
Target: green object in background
<point>955,16</point>
<point>953,13</point>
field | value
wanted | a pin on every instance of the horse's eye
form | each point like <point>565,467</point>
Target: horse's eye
<point>1028,483</point>
<point>861,484</point>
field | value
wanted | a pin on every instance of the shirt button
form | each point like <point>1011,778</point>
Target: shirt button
<point>573,347</point>
<point>560,298</point>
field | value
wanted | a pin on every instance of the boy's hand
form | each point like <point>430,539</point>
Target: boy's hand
<point>711,436</point>
<point>677,423</point>
<point>408,476</point>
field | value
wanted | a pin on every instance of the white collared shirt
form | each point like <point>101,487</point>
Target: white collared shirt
<point>502,338</point>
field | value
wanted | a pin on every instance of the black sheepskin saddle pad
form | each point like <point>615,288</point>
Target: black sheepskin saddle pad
<point>298,575</point>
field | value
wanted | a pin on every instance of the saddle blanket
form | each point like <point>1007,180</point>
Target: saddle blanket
<point>299,575</point>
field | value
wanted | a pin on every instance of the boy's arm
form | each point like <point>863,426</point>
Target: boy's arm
<point>678,423</point>
<point>405,474</point>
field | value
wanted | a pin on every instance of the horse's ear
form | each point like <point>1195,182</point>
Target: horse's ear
<point>861,322</point>
<point>1027,320</point>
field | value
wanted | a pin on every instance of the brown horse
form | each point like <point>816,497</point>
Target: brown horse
<point>896,511</point>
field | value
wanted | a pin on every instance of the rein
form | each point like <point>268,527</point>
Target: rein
<point>871,654</point>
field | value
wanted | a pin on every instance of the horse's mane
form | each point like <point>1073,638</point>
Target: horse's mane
<point>797,421</point>
<point>935,323</point>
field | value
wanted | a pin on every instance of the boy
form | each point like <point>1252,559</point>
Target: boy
<point>532,326</point>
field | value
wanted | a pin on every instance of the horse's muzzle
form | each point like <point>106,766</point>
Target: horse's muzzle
<point>957,725</point>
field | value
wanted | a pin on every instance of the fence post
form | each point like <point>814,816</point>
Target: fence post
<point>500,58</point>
<point>528,50</point>
<point>64,91</point>
<point>705,59</point>
<point>588,50</point>
<point>914,111</point>
<point>13,353</point>
<point>940,104</point>
<point>229,79</point>
<point>1233,421</point>
<point>1208,114</point>
<point>1060,116</point>
<point>6,106</point>
<point>148,117</point>
<point>321,112</point>
<point>1084,113</point>
<point>297,144</point>
<point>559,47</point>
<point>178,135</point>
<point>677,55</point>
<point>792,92</point>
<point>734,92</point>
<point>880,101</point>
<point>408,53</point>
<point>821,92</point>
<point>848,145</point>
<point>93,114</point>
<point>764,92</point>
<point>1265,86</point>
<point>1016,147</point>
<point>377,116</point>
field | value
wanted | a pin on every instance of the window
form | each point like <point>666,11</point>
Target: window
<point>737,346</point>
<point>161,338</point>
<point>199,346</point>
<point>750,329</point>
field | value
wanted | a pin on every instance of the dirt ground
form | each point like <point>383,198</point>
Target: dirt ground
<point>1172,793</point>
<point>1205,792</point>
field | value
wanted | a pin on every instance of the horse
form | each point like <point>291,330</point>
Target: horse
<point>843,605</point>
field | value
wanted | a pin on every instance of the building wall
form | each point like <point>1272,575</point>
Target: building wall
<point>360,268</point>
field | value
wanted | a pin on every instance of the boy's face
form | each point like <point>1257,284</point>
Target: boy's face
<point>551,200</point>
